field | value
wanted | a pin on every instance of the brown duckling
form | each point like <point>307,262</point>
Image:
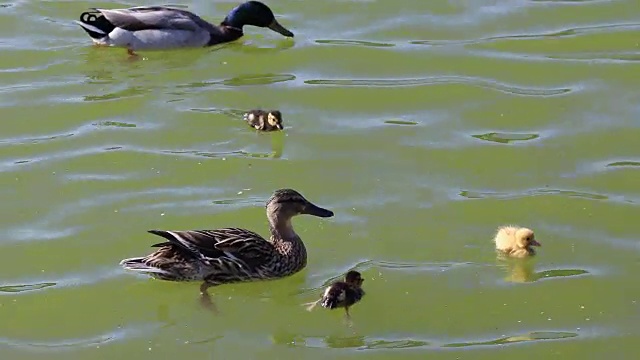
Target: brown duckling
<point>342,293</point>
<point>264,120</point>
<point>516,241</point>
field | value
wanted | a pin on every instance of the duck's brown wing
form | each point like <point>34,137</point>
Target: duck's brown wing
<point>205,245</point>
<point>253,250</point>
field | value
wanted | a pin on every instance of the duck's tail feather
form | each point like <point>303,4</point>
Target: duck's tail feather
<point>96,25</point>
<point>137,264</point>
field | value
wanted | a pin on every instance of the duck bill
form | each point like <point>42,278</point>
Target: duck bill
<point>535,243</point>
<point>317,211</point>
<point>275,26</point>
<point>279,127</point>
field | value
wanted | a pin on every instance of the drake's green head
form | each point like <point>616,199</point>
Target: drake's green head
<point>257,14</point>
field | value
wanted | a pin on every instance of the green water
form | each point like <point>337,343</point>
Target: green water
<point>422,124</point>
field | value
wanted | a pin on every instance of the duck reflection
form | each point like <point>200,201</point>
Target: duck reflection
<point>330,341</point>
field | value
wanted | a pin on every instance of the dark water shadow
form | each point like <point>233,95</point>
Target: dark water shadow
<point>35,140</point>
<point>118,124</point>
<point>129,92</point>
<point>624,164</point>
<point>355,42</point>
<point>597,57</point>
<point>400,122</point>
<point>547,274</point>
<point>244,80</point>
<point>354,341</point>
<point>362,343</point>
<point>506,138</point>
<point>533,336</point>
<point>258,79</point>
<point>473,194</point>
<point>394,344</point>
<point>26,287</point>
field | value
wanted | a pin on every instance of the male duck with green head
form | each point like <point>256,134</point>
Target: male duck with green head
<point>163,27</point>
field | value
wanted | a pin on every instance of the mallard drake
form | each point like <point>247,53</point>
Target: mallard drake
<point>264,120</point>
<point>515,241</point>
<point>164,27</point>
<point>342,293</point>
<point>230,255</point>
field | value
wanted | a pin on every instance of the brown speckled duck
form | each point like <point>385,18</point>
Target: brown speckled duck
<point>264,120</point>
<point>515,241</point>
<point>342,293</point>
<point>231,255</point>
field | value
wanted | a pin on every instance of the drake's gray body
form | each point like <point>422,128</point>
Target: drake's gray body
<point>164,27</point>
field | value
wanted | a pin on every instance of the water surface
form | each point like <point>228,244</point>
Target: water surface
<point>422,125</point>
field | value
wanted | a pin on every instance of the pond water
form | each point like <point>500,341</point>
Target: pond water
<point>424,125</point>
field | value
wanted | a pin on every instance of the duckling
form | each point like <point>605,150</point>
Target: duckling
<point>515,241</point>
<point>264,120</point>
<point>342,293</point>
<point>164,27</point>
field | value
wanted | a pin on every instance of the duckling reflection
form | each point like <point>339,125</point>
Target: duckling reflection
<point>284,337</point>
<point>518,270</point>
<point>515,241</point>
<point>342,294</point>
<point>264,120</point>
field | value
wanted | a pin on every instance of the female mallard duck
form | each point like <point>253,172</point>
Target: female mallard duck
<point>342,293</point>
<point>231,255</point>
<point>515,241</point>
<point>264,120</point>
<point>163,27</point>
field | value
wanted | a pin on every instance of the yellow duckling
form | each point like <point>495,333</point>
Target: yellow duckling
<point>515,241</point>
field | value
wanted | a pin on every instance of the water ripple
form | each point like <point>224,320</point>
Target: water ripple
<point>473,194</point>
<point>366,343</point>
<point>434,80</point>
<point>244,80</point>
<point>118,334</point>
<point>21,287</point>
<point>533,336</point>
<point>355,42</point>
<point>570,32</point>
<point>505,138</point>
<point>604,166</point>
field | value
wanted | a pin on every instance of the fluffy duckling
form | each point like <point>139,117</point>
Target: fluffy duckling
<point>342,293</point>
<point>264,120</point>
<point>516,241</point>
